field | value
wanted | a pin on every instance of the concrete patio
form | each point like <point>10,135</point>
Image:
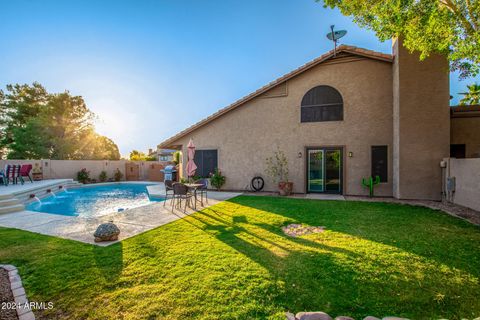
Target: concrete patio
<point>131,222</point>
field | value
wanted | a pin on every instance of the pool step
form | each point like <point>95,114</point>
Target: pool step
<point>13,208</point>
<point>5,196</point>
<point>9,202</point>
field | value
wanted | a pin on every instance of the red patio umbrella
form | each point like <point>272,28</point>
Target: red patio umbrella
<point>191,166</point>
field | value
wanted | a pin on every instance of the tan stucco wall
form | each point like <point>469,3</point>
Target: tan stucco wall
<point>467,186</point>
<point>467,131</point>
<point>67,169</point>
<point>246,136</point>
<point>421,114</point>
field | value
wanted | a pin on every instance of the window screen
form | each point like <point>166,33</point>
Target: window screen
<point>380,162</point>
<point>322,103</point>
<point>206,161</point>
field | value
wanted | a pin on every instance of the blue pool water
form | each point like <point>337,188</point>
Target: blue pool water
<point>94,201</point>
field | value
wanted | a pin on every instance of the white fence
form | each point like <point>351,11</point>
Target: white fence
<point>465,190</point>
<point>67,169</point>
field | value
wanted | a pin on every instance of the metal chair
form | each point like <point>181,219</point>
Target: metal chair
<point>168,190</point>
<point>180,193</point>
<point>203,190</point>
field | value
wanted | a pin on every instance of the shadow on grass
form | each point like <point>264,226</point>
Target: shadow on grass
<point>421,231</point>
<point>109,261</point>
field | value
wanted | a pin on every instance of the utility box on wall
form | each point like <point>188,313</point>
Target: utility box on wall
<point>451,184</point>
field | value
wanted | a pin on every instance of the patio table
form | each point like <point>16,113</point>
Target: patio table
<point>194,187</point>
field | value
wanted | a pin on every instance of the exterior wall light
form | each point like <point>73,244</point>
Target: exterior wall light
<point>350,154</point>
<point>300,154</point>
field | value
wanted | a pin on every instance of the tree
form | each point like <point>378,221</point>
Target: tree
<point>136,155</point>
<point>36,124</point>
<point>472,96</point>
<point>450,27</point>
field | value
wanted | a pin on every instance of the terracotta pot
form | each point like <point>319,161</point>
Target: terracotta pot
<point>285,188</point>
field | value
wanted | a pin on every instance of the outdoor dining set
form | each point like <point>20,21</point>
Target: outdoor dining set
<point>186,192</point>
<point>14,173</point>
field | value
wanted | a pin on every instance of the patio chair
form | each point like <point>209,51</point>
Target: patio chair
<point>168,190</point>
<point>203,190</point>
<point>11,173</point>
<point>25,172</point>
<point>180,193</point>
<point>3,178</point>
<point>14,174</point>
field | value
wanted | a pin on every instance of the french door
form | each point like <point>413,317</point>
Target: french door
<point>324,170</point>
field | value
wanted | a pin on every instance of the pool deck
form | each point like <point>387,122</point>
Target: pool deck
<point>131,222</point>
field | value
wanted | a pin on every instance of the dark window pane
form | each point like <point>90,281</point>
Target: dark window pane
<point>457,151</point>
<point>206,161</point>
<point>322,103</point>
<point>322,113</point>
<point>380,162</point>
<point>322,95</point>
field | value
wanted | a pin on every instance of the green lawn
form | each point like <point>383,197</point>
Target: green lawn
<point>232,261</point>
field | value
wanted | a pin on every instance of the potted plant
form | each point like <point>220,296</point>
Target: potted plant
<point>277,169</point>
<point>217,180</point>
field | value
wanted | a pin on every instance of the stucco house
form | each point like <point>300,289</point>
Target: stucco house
<point>338,119</point>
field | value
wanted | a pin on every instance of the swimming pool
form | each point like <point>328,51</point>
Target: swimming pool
<point>92,201</point>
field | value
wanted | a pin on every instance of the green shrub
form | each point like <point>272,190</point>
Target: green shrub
<point>117,175</point>
<point>102,176</point>
<point>217,179</point>
<point>83,176</point>
<point>176,157</point>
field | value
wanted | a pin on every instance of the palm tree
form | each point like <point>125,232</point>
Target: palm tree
<point>472,96</point>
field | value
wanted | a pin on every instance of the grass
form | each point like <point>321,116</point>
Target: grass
<point>232,261</point>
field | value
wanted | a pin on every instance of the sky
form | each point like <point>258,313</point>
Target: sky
<point>149,69</point>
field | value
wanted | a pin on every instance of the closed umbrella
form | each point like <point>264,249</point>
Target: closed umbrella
<point>191,166</point>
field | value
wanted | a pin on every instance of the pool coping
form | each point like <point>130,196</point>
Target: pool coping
<point>131,222</point>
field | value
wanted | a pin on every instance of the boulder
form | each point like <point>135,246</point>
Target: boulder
<point>290,316</point>
<point>343,318</point>
<point>106,232</point>
<point>371,318</point>
<point>313,316</point>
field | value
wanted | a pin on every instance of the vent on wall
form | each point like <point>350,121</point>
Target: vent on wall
<point>277,91</point>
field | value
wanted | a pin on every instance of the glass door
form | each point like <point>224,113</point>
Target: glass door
<point>324,170</point>
<point>315,170</point>
<point>333,169</point>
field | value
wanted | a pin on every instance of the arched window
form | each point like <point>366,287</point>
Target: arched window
<point>322,103</point>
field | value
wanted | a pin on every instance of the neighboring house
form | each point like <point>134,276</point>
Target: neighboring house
<point>153,153</point>
<point>165,154</point>
<point>161,154</point>
<point>338,119</point>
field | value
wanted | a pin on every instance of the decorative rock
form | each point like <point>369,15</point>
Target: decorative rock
<point>290,316</point>
<point>371,318</point>
<point>394,318</point>
<point>343,318</point>
<point>313,316</point>
<point>106,232</point>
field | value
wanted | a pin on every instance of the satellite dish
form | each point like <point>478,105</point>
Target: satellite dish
<point>334,36</point>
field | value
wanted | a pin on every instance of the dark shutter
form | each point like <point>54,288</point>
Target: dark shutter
<point>322,103</point>
<point>380,162</point>
<point>206,161</point>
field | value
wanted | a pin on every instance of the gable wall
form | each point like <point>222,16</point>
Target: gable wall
<point>246,136</point>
